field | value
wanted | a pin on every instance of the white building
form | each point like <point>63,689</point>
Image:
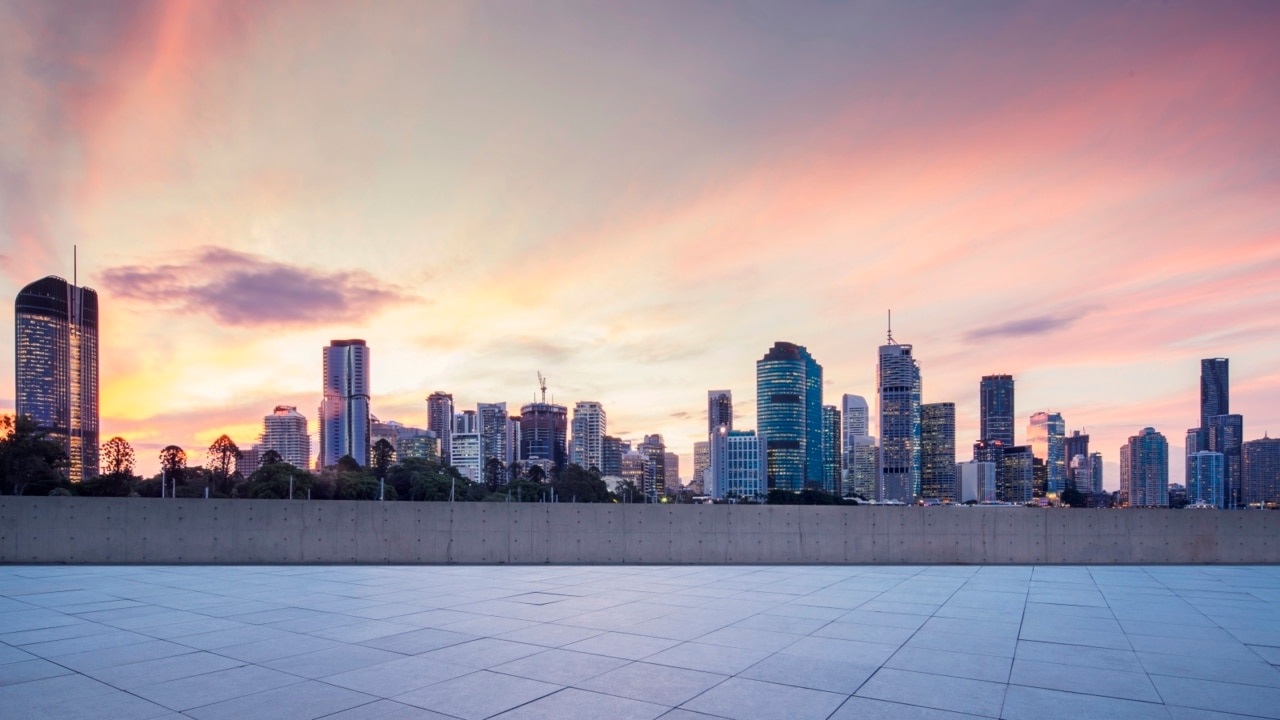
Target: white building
<point>586,448</point>
<point>738,465</point>
<point>977,481</point>
<point>344,409</point>
<point>465,455</point>
<point>285,431</point>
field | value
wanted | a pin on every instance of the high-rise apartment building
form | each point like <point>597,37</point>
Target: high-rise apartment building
<point>466,422</point>
<point>285,431</point>
<point>1262,471</point>
<point>56,367</point>
<point>1144,469</point>
<point>344,409</point>
<point>491,419</point>
<point>610,456</point>
<point>589,426</point>
<point>1225,434</point>
<point>864,466</point>
<point>938,451</point>
<point>465,453</point>
<point>996,419</point>
<point>671,469</point>
<point>1204,478</point>
<point>1046,434</point>
<point>543,431</point>
<point>440,421</point>
<point>719,409</point>
<point>1075,452</point>
<point>1095,470</point>
<point>898,394</point>
<point>831,450</point>
<point>1215,389</point>
<point>654,479</point>
<point>789,415</point>
<point>738,465</point>
<point>1017,475</point>
<point>701,461</point>
<point>513,439</point>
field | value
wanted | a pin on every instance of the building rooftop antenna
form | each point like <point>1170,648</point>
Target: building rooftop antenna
<point>542,382</point>
<point>75,265</point>
<point>891,341</point>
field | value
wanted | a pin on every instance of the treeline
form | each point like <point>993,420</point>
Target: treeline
<point>33,464</point>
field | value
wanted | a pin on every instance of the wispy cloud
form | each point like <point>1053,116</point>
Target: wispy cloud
<point>1038,325</point>
<point>241,289</point>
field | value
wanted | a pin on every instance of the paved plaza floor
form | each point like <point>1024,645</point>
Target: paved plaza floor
<point>680,643</point>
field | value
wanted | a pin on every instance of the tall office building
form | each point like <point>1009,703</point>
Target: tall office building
<point>976,482</point>
<point>701,461</point>
<point>440,421</point>
<point>653,482</point>
<point>589,426</point>
<point>938,451</point>
<point>1262,471</point>
<point>996,395</point>
<point>513,439</point>
<point>610,457</point>
<point>898,393</point>
<point>466,422</point>
<point>1017,475</point>
<point>1215,389</point>
<point>671,469</point>
<point>1046,434</point>
<point>719,409</point>
<point>285,431</point>
<point>856,416</point>
<point>831,462</point>
<point>738,464</point>
<point>789,415</point>
<point>1204,478</point>
<point>1144,469</point>
<point>465,451</point>
<point>864,466</point>
<point>344,410</point>
<point>417,443</point>
<point>1225,434</point>
<point>1075,452</point>
<point>56,367</point>
<point>1095,470</point>
<point>491,419</point>
<point>543,430</point>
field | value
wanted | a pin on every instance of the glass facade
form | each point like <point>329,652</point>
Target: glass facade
<point>543,430</point>
<point>344,410</point>
<point>1204,478</point>
<point>1046,434</point>
<point>1225,435</point>
<point>996,395</point>
<point>737,465</point>
<point>654,479</point>
<point>1075,453</point>
<point>719,409</point>
<point>789,416</point>
<point>1144,470</point>
<point>611,456</point>
<point>938,451</point>
<point>56,367</point>
<point>1262,471</point>
<point>440,421</point>
<point>589,426</point>
<point>1215,390</point>
<point>898,385</point>
<point>831,464</point>
<point>492,421</point>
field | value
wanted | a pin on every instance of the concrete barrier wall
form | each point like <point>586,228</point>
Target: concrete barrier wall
<point>140,530</point>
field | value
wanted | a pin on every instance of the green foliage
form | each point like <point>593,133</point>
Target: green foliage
<point>1072,497</point>
<point>627,492</point>
<point>493,474</point>
<point>30,462</point>
<point>383,453</point>
<point>270,457</point>
<point>272,482</point>
<point>534,473</point>
<point>577,484</point>
<point>117,457</point>
<point>361,487</point>
<point>808,496</point>
<point>222,456</point>
<point>173,463</point>
<point>110,485</point>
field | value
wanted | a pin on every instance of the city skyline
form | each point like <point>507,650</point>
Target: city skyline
<point>640,242</point>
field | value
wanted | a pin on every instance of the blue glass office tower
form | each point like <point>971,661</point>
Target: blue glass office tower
<point>996,395</point>
<point>789,415</point>
<point>898,389</point>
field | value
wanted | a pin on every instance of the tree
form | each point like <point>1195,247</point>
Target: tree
<point>383,455</point>
<point>347,464</point>
<point>270,457</point>
<point>1072,497</point>
<point>626,491</point>
<point>173,464</point>
<point>492,474</point>
<point>29,460</point>
<point>579,485</point>
<point>272,482</point>
<point>117,457</point>
<point>514,472</point>
<point>535,473</point>
<point>222,457</point>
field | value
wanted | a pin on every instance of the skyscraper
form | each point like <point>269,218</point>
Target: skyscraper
<point>831,462</point>
<point>1095,470</point>
<point>738,465</point>
<point>491,419</point>
<point>1017,475</point>
<point>440,421</point>
<point>701,461</point>
<point>1204,478</point>
<point>653,483</point>
<point>938,451</point>
<point>898,393</point>
<point>855,416</point>
<point>610,456</point>
<point>285,431</point>
<point>1215,389</point>
<point>1076,455</point>
<point>56,367</point>
<point>344,410</point>
<point>864,465</point>
<point>789,415</point>
<point>996,395</point>
<point>976,482</point>
<point>543,430</point>
<point>589,426</point>
<point>1144,469</point>
<point>1225,434</point>
<point>1046,434</point>
<point>719,409</point>
<point>671,469</point>
<point>1262,471</point>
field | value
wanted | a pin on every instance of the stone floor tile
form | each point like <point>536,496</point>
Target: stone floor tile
<point>659,684</point>
<point>860,708</point>
<point>483,653</point>
<point>562,667</point>
<point>742,699</point>
<point>810,672</point>
<point>479,695</point>
<point>942,662</point>
<point>331,661</point>
<point>622,645</point>
<point>153,672</point>
<point>28,670</point>
<point>303,701</point>
<point>708,658</point>
<point>208,688</point>
<point>397,677</point>
<point>940,692</point>
<point>386,710</point>
<point>549,635</point>
<point>416,642</point>
<point>851,651</point>
<point>584,705</point>
<point>1089,681</point>
<point>1220,696</point>
<point>1027,703</point>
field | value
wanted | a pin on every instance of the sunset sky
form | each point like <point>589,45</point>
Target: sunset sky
<point>638,199</point>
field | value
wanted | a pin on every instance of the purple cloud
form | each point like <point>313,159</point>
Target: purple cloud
<point>246,290</point>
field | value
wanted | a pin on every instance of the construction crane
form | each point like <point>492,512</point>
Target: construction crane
<point>542,382</point>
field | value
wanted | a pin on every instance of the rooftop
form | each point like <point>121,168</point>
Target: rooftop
<point>681,643</point>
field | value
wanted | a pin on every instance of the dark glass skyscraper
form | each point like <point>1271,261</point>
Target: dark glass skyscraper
<point>1215,390</point>
<point>789,415</point>
<point>440,421</point>
<point>1076,445</point>
<point>1262,471</point>
<point>719,410</point>
<point>898,391</point>
<point>997,408</point>
<point>831,461</point>
<point>938,451</point>
<point>1225,434</point>
<point>543,431</point>
<point>56,368</point>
